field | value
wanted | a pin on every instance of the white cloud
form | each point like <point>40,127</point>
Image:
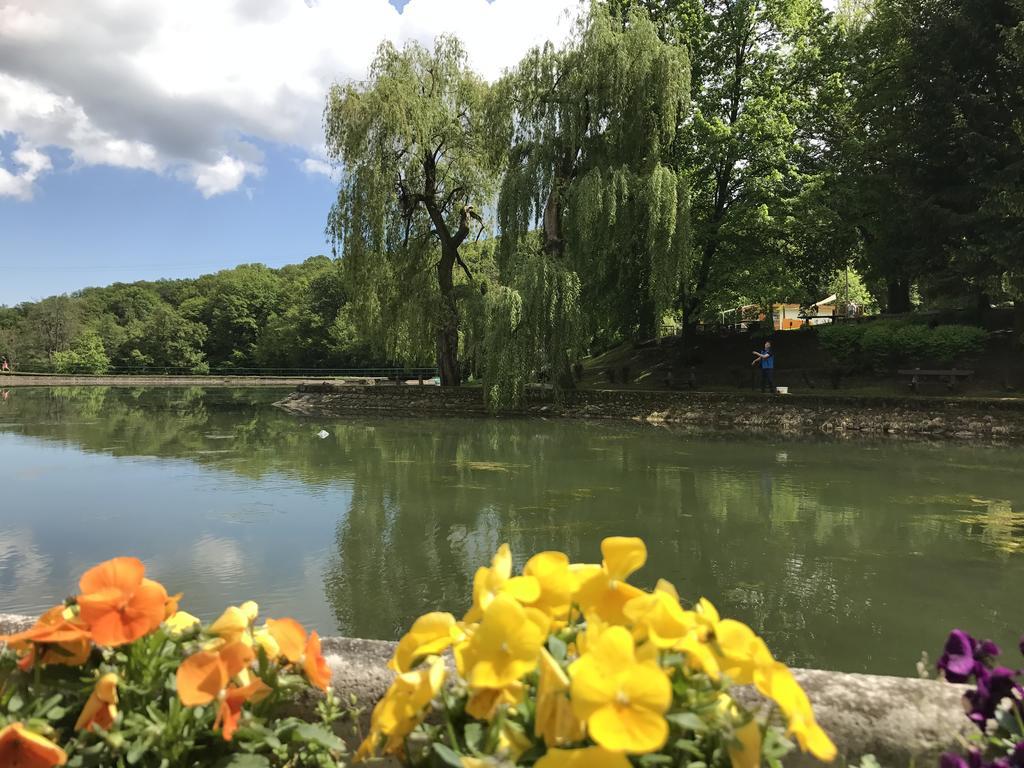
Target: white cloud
<point>30,164</point>
<point>226,175</point>
<point>312,165</point>
<point>183,87</point>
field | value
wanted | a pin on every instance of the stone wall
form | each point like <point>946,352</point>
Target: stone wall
<point>993,419</point>
<point>902,721</point>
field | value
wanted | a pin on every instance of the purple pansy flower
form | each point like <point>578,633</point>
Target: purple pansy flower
<point>952,760</point>
<point>993,687</point>
<point>964,657</point>
<point>1017,758</point>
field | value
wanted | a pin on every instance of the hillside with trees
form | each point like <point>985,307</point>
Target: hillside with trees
<point>251,316</point>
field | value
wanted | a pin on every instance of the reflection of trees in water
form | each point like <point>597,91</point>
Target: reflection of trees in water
<point>820,546</point>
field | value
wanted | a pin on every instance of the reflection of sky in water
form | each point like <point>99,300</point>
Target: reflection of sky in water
<point>198,529</point>
<point>853,555</point>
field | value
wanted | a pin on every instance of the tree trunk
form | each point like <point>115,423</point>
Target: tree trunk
<point>448,335</point>
<point>1018,321</point>
<point>898,301</point>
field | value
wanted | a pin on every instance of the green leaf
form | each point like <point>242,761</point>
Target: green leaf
<point>56,713</point>
<point>688,721</point>
<point>690,747</point>
<point>449,756</point>
<point>557,647</point>
<point>655,760</point>
<point>138,749</point>
<point>244,761</point>
<point>314,734</point>
<point>15,703</point>
<point>473,734</point>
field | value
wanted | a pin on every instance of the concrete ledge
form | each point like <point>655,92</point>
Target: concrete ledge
<point>902,721</point>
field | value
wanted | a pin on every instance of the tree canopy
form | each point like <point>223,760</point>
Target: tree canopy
<point>411,144</point>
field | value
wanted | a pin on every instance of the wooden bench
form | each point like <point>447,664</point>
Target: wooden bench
<point>951,377</point>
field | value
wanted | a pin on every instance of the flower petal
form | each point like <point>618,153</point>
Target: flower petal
<point>623,555</point>
<point>628,729</point>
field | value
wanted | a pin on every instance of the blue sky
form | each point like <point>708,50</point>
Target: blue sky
<point>176,139</point>
<point>98,225</point>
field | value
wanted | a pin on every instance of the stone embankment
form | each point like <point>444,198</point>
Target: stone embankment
<point>901,721</point>
<point>989,419</point>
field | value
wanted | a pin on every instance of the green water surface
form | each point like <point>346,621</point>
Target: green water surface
<point>850,555</point>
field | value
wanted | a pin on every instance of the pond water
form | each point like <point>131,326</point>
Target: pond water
<point>847,555</point>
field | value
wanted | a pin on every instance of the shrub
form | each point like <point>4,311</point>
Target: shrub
<point>885,344</point>
<point>85,356</point>
<point>841,341</point>
<point>119,676</point>
<point>570,665</point>
<point>950,342</point>
<point>878,343</point>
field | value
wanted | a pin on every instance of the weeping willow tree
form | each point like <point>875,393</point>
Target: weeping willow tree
<point>592,214</point>
<point>409,143</point>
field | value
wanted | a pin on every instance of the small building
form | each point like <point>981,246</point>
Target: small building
<point>785,316</point>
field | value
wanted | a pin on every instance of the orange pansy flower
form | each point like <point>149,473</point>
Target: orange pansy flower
<point>315,665</point>
<point>118,603</point>
<point>171,605</point>
<point>101,708</point>
<point>230,711</point>
<point>57,637</point>
<point>301,649</point>
<point>203,675</point>
<point>21,748</point>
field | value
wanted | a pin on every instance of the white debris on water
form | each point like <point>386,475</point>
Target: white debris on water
<point>323,433</point>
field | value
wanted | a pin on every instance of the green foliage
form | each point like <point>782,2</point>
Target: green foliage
<point>936,187</point>
<point>412,144</point>
<point>298,316</point>
<point>532,325</point>
<point>757,150</point>
<point>584,132</point>
<point>85,356</point>
<point>884,344</point>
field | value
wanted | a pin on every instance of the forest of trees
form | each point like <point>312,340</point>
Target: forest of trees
<point>247,317</point>
<point>672,159</point>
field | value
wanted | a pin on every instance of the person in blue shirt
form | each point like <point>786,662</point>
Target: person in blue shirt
<point>767,361</point>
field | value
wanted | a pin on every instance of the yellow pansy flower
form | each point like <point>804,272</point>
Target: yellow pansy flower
<point>741,654</point>
<point>180,622</point>
<point>512,741</point>
<point>402,708</point>
<point>746,751</point>
<point>554,721</point>
<point>603,589</point>
<point>504,647</point>
<point>588,757</point>
<point>622,700</point>
<point>783,688</point>
<point>430,634</point>
<point>557,583</point>
<point>488,583</point>
<point>233,625</point>
<point>659,618</point>
<point>483,703</point>
<point>265,640</point>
